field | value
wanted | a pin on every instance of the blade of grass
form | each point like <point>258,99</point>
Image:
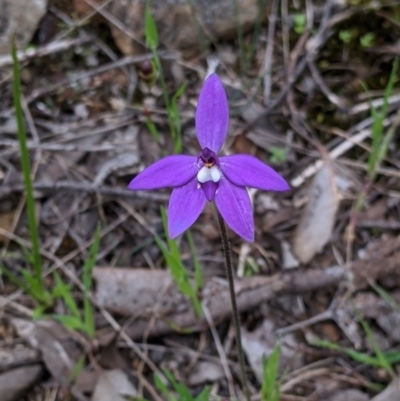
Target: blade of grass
<point>26,171</point>
<point>270,390</point>
<point>386,296</point>
<point>378,352</point>
<point>63,291</point>
<point>378,118</point>
<point>90,262</point>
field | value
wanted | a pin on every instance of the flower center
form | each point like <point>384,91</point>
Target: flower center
<point>208,157</point>
<point>206,174</point>
<point>210,170</point>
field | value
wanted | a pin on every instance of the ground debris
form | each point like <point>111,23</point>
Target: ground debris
<point>59,347</point>
<point>318,217</point>
<point>16,382</point>
<point>113,385</point>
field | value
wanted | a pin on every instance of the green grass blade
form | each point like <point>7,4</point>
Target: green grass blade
<point>181,389</point>
<point>386,296</point>
<point>204,395</point>
<point>26,170</point>
<point>355,355</point>
<point>70,322</point>
<point>87,282</point>
<point>379,145</point>
<point>14,279</point>
<point>270,390</point>
<point>163,388</point>
<point>152,129</point>
<point>150,29</point>
<point>378,352</point>
<point>63,291</point>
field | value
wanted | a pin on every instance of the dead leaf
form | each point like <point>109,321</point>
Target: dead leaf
<point>59,347</point>
<point>261,342</point>
<point>16,382</point>
<point>205,372</point>
<point>113,385</point>
<point>318,218</point>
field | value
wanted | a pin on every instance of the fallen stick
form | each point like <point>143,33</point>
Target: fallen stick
<point>158,308</point>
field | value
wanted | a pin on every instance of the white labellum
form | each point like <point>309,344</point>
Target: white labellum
<point>206,174</point>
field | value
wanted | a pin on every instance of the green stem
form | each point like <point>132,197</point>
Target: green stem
<point>236,317</point>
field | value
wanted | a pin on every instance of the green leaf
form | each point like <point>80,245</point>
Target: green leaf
<point>62,290</point>
<point>181,389</point>
<point>163,388</point>
<point>380,143</point>
<point>77,369</point>
<point>355,355</point>
<point>345,35</point>
<point>378,352</point>
<point>70,322</point>
<point>367,40</point>
<point>300,22</point>
<point>150,29</point>
<point>270,390</point>
<point>204,395</point>
<point>386,296</point>
<point>152,129</point>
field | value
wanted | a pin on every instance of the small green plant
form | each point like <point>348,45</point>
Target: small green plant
<point>76,320</point>
<point>278,155</point>
<point>170,251</point>
<point>367,40</point>
<point>270,388</point>
<point>345,35</point>
<point>300,23</point>
<point>174,121</point>
<point>182,392</point>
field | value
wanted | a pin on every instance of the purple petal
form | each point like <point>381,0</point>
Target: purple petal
<point>171,171</point>
<point>234,204</point>
<point>212,114</point>
<point>248,171</point>
<point>185,205</point>
<point>209,189</point>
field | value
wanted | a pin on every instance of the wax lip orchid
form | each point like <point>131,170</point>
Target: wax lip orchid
<point>207,177</point>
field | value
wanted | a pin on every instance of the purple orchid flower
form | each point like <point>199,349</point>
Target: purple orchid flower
<point>206,177</point>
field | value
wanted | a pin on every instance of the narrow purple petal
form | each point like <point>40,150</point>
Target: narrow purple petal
<point>248,171</point>
<point>185,205</point>
<point>234,204</point>
<point>209,189</point>
<point>212,114</point>
<point>171,171</point>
